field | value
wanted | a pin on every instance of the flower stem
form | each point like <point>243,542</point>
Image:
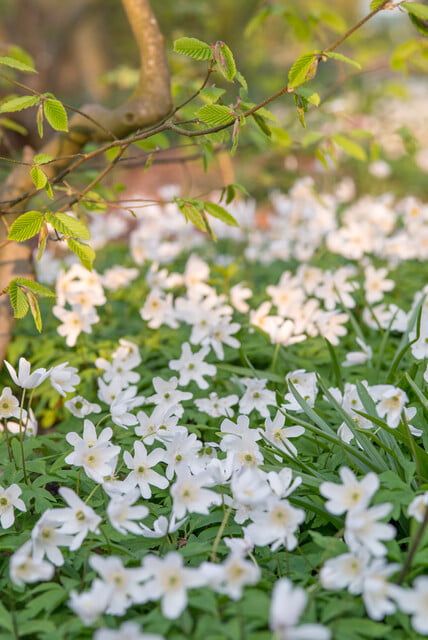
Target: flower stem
<point>413,548</point>
<point>220,533</point>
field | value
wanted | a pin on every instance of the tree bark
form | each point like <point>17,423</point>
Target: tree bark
<point>149,104</point>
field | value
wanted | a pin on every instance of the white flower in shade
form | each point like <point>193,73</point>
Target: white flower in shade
<point>414,601</point>
<point>418,507</point>
<point>238,438</point>
<point>232,575</point>
<point>169,580</point>
<point>376,283</point>
<point>9,498</point>
<point>158,309</point>
<point>351,494</point>
<point>282,483</point>
<point>122,514</point>
<point>142,472</point>
<point>64,378</point>
<point>354,358</point>
<point>28,424</point>
<point>391,403</point>
<point>118,276</point>
<point>189,495</point>
<point>378,594</point>
<point>74,322</point>
<point>127,631</point>
<point>93,452</point>
<point>278,434</point>
<point>305,384</point>
<point>346,571</point>
<point>90,605</point>
<point>167,393</point>
<point>330,325</point>
<point>222,333</point>
<point>161,423</point>
<point>77,519</point>
<point>161,527</point>
<point>127,354</point>
<point>80,407</point>
<point>256,396</point>
<point>124,585</point>
<point>250,487</point>
<point>25,569</point>
<point>362,528</point>
<point>182,453</point>
<point>121,369</point>
<point>9,405</point>
<point>276,524</point>
<point>46,539</point>
<point>238,294</point>
<point>215,406</point>
<point>287,605</point>
<point>191,366</point>
<point>24,378</point>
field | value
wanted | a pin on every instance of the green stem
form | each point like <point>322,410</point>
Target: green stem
<point>21,437</point>
<point>220,533</point>
<point>413,548</point>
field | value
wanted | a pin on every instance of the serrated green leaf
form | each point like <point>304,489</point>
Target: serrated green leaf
<point>421,25</point>
<point>55,114</point>
<point>84,252</point>
<point>416,9</point>
<point>38,177</point>
<point>215,115</point>
<point>225,61</point>
<point>262,125</point>
<point>350,147</point>
<point>35,287</point>
<point>211,94</point>
<point>192,214</point>
<point>342,58</point>
<point>18,300</point>
<point>217,211</point>
<point>68,225</point>
<point>281,137</point>
<point>302,70</point>
<point>309,95</point>
<point>35,310</point>
<point>16,64</point>
<point>18,104</point>
<point>374,4</point>
<point>26,226</point>
<point>193,48</point>
<point>42,158</point>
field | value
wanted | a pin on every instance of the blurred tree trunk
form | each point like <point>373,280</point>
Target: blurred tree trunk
<point>150,103</point>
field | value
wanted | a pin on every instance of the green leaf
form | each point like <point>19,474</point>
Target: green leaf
<point>341,57</point>
<point>350,147</point>
<point>211,94</point>
<point>416,9</point>
<point>16,64</point>
<point>84,252</point>
<point>374,4</point>
<point>262,124</point>
<point>38,177</point>
<point>35,287</point>
<point>217,211</point>
<point>68,225</point>
<point>215,115</point>
<point>192,214</point>
<point>35,310</point>
<point>55,114</point>
<point>26,226</point>
<point>18,104</point>
<point>6,123</point>
<point>193,48</point>
<point>18,300</point>
<point>42,158</point>
<point>309,95</point>
<point>40,119</point>
<point>302,70</point>
<point>225,61</point>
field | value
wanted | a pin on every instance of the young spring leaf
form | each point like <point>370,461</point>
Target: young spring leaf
<point>217,211</point>
<point>18,300</point>
<point>193,48</point>
<point>309,95</point>
<point>192,214</point>
<point>83,251</point>
<point>416,9</point>
<point>16,64</point>
<point>302,70</point>
<point>225,61</point>
<point>350,147</point>
<point>26,226</point>
<point>68,225</point>
<point>35,287</point>
<point>35,310</point>
<point>18,104</point>
<point>342,58</point>
<point>215,115</point>
<point>55,114</point>
<point>38,177</point>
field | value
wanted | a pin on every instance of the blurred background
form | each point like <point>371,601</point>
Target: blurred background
<point>84,53</point>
